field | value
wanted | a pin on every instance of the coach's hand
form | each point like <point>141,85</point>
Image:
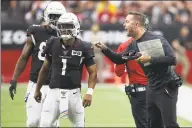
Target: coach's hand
<point>100,45</point>
<point>13,86</point>
<point>144,59</point>
<point>87,100</point>
<point>37,96</point>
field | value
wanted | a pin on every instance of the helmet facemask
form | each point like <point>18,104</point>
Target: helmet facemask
<point>53,18</point>
<point>52,13</point>
<point>65,30</point>
<point>68,27</point>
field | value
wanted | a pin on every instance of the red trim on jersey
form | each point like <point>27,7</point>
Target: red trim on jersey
<point>136,74</point>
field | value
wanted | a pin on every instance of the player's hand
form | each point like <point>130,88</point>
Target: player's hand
<point>100,45</point>
<point>38,96</point>
<point>87,100</point>
<point>144,59</point>
<point>12,87</point>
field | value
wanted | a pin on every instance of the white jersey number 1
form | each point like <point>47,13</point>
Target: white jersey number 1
<point>64,61</point>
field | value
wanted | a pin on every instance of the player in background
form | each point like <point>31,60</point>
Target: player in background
<point>37,35</point>
<point>66,54</point>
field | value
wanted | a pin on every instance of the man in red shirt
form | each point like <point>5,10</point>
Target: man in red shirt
<point>136,90</point>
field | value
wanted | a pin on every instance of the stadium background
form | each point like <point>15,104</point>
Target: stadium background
<point>100,21</point>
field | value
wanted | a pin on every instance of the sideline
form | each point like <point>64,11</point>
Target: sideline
<point>184,103</point>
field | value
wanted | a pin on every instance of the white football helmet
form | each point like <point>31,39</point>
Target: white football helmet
<point>52,13</point>
<point>68,26</point>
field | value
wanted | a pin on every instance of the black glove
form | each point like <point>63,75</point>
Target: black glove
<point>176,81</point>
<point>13,86</point>
<point>131,55</point>
<point>127,90</point>
<point>130,90</point>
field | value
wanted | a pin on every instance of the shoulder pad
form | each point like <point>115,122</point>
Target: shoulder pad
<point>49,44</point>
<point>32,29</point>
<point>36,25</point>
<point>87,45</point>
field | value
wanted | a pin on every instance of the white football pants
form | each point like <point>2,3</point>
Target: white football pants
<point>34,108</point>
<point>61,102</point>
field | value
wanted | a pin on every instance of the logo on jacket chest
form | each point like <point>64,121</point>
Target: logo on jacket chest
<point>76,53</point>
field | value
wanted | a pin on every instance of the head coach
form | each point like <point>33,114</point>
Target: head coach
<point>156,57</point>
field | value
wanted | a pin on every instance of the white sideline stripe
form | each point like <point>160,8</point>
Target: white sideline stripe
<point>184,103</point>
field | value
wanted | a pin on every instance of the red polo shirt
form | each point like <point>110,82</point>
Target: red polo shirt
<point>136,74</point>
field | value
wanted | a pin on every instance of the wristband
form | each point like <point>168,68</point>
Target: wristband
<point>90,91</point>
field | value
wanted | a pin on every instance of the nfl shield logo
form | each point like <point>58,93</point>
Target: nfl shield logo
<point>63,94</point>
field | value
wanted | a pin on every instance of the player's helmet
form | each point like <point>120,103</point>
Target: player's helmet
<point>68,26</point>
<point>52,13</point>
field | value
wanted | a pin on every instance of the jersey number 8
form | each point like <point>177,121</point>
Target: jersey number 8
<point>41,56</point>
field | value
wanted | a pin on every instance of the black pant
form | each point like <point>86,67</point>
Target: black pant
<point>162,107</point>
<point>139,109</point>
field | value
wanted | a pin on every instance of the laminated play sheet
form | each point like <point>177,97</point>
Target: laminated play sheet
<point>152,48</point>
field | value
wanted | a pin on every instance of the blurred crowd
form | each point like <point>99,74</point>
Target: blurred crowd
<point>89,12</point>
<point>160,13</point>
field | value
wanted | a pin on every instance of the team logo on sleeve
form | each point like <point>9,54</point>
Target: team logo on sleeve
<point>76,53</point>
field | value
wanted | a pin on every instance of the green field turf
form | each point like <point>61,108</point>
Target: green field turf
<point>110,108</point>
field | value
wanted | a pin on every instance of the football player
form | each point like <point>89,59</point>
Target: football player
<point>66,54</point>
<point>37,35</point>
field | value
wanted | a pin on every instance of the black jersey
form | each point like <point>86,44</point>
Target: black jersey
<point>67,62</point>
<point>39,35</point>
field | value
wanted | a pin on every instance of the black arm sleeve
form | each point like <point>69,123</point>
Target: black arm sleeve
<point>88,50</point>
<point>89,62</point>
<point>113,56</point>
<point>169,58</point>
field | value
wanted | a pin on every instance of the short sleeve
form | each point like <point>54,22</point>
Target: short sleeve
<point>31,29</point>
<point>88,50</point>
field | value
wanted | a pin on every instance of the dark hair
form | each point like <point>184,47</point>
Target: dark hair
<point>142,18</point>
